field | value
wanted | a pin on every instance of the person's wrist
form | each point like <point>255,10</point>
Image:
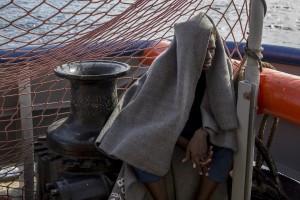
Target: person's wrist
<point>202,132</point>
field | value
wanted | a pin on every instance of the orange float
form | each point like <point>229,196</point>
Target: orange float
<point>279,95</point>
<point>150,53</point>
<point>279,92</point>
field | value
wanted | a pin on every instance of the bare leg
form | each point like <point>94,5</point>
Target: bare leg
<point>158,190</point>
<point>206,188</point>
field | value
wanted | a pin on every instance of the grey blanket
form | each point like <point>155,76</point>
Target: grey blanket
<point>144,127</point>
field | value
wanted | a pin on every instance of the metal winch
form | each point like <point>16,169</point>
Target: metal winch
<point>69,165</point>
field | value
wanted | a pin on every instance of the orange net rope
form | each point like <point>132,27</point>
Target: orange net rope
<point>37,36</point>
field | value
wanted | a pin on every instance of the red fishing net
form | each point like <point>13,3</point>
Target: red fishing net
<point>37,36</point>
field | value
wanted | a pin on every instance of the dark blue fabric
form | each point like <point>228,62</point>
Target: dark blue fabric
<point>221,164</point>
<point>146,177</point>
<point>219,167</point>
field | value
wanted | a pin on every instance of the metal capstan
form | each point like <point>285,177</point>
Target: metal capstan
<point>69,165</point>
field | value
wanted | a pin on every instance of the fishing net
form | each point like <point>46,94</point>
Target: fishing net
<point>38,35</point>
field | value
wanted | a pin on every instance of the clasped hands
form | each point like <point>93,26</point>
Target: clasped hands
<point>197,150</point>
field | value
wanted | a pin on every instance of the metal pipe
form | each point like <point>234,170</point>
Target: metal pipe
<point>27,132</point>
<point>243,167</point>
<point>240,160</point>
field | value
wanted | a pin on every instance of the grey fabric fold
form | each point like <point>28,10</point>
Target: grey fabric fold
<point>143,129</point>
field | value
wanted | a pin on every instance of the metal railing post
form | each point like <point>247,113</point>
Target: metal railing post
<point>247,107</point>
<point>27,133</point>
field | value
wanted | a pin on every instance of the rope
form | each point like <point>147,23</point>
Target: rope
<point>254,53</point>
<point>260,136</point>
<point>272,132</point>
<point>265,7</point>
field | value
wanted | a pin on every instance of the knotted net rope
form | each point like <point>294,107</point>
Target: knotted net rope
<point>38,35</point>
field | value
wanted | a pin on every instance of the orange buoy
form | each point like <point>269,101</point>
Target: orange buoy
<point>279,95</point>
<point>150,53</point>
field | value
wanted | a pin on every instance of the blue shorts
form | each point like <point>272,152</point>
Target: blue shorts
<point>219,167</point>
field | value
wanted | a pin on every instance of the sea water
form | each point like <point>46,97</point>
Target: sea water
<point>281,23</point>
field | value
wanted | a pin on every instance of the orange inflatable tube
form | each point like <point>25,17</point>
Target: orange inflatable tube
<point>278,95</point>
<point>152,52</point>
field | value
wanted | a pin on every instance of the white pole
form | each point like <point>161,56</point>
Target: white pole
<point>243,160</point>
<point>27,132</point>
<point>240,157</point>
<point>254,40</point>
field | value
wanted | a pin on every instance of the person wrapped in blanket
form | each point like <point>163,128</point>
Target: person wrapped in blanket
<point>194,108</point>
<point>213,163</point>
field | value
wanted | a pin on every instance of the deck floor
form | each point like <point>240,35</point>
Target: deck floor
<point>291,187</point>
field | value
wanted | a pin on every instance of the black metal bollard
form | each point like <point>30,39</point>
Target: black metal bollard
<point>69,165</point>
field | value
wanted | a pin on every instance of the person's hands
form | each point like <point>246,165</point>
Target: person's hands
<point>197,150</point>
<point>206,163</point>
